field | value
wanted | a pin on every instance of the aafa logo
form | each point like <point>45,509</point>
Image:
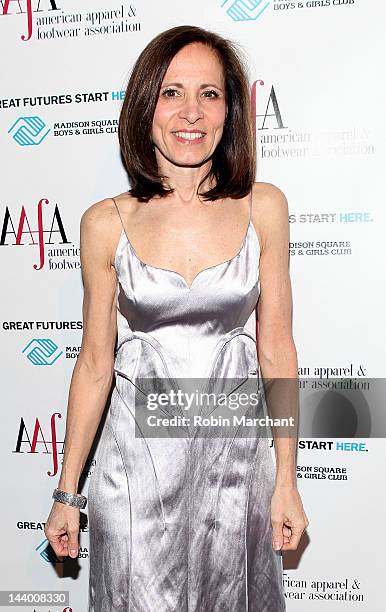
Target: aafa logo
<point>39,443</point>
<point>27,7</point>
<point>271,110</point>
<point>18,234</point>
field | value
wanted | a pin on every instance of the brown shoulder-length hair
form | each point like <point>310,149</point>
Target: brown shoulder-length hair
<point>234,159</point>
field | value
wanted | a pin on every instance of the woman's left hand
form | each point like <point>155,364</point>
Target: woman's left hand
<point>287,517</point>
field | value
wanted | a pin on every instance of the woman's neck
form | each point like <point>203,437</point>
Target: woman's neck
<point>185,180</point>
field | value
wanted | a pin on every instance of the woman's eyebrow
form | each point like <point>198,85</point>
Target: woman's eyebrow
<point>203,86</point>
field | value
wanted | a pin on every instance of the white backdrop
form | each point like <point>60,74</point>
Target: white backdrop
<point>317,83</point>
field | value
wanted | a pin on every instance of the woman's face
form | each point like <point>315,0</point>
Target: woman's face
<point>190,112</point>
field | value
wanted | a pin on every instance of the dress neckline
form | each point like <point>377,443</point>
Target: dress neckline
<point>188,286</point>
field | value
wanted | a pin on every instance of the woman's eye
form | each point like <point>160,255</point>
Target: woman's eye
<point>166,93</point>
<point>212,93</point>
<point>173,93</point>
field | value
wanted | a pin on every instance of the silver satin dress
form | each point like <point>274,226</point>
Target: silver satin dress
<point>182,524</point>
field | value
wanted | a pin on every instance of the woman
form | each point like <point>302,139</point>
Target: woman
<point>176,266</point>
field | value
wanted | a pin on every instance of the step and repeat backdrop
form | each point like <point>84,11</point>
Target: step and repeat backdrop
<point>316,72</point>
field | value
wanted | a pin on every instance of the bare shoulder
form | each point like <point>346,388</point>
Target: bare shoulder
<point>100,227</point>
<point>127,204</point>
<point>269,211</point>
<point>269,199</point>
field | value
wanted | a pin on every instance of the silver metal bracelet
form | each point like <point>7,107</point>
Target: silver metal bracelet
<point>77,500</point>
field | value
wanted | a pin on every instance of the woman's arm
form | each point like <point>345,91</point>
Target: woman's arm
<point>276,349</point>
<point>93,372</point>
<point>278,360</point>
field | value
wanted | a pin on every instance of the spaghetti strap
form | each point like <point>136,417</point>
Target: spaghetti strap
<point>250,205</point>
<point>123,227</point>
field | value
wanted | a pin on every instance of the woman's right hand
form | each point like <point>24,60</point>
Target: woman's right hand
<point>62,530</point>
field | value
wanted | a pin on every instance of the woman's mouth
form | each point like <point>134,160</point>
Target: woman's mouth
<point>191,137</point>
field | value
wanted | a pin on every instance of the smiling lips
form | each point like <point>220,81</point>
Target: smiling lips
<point>192,137</point>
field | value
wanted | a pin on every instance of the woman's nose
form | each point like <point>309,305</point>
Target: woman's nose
<point>191,110</point>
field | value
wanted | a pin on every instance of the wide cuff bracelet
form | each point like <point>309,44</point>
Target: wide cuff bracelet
<point>79,501</point>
